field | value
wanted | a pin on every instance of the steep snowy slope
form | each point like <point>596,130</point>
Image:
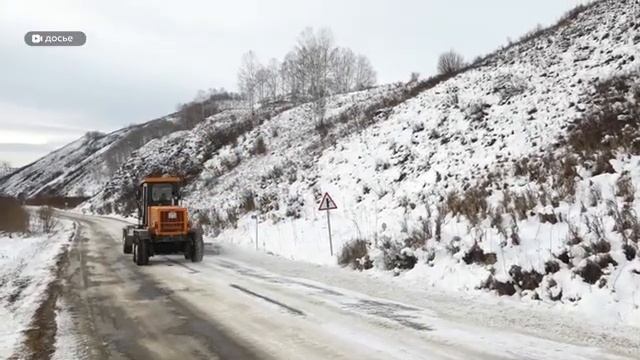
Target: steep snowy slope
<point>475,183</point>
<point>226,144</point>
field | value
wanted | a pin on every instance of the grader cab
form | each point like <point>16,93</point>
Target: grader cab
<point>163,225</point>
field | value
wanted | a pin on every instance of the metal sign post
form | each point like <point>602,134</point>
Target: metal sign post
<point>327,204</point>
<point>256,217</point>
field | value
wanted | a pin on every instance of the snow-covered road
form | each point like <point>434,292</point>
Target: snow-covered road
<point>237,305</point>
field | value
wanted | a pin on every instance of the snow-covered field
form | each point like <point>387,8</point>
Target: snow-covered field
<point>27,266</point>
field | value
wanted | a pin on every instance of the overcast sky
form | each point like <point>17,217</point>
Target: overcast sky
<point>142,58</point>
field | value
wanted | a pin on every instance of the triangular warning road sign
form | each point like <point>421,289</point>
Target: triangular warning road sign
<point>327,203</point>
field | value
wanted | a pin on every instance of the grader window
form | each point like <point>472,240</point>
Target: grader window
<point>162,194</point>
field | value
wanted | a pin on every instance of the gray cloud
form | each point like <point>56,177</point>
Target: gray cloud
<point>28,148</point>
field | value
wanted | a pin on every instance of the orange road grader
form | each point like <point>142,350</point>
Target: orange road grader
<point>163,225</point>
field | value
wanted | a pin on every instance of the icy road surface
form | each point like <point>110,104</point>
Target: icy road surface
<point>237,305</point>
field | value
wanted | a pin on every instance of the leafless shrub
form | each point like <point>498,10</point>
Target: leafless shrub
<point>506,199</point>
<point>47,220</point>
<point>612,123</point>
<point>232,217</point>
<point>477,111</point>
<point>203,218</point>
<point>521,167</point>
<point>595,226</point>
<point>450,62</point>
<point>625,188</point>
<point>355,253</point>
<point>590,272</point>
<point>565,178</point>
<point>525,279</point>
<point>626,221</point>
<point>573,235</point>
<point>503,288</point>
<point>247,201</point>
<point>474,204</point>
<point>523,203</point>
<point>268,202</point>
<point>14,217</point>
<point>595,195</point>
<point>515,232</point>
<point>420,235</point>
<point>508,85</point>
<point>439,220</point>
<point>476,255</point>
<point>497,220</point>
<point>259,146</point>
<point>274,174</point>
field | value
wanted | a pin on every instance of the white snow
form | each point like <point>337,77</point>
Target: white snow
<point>27,265</point>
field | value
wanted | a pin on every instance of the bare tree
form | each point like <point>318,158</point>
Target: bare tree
<point>314,53</point>
<point>365,75</point>
<point>247,76</point>
<point>450,63</point>
<point>313,70</point>
<point>261,82</point>
<point>343,70</point>
<point>273,78</point>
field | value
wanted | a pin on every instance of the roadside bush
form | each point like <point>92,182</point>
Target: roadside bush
<point>630,252</point>
<point>419,236</point>
<point>395,256</point>
<point>503,288</point>
<point>476,255</point>
<point>551,267</point>
<point>13,217</point>
<point>47,222</point>
<point>355,253</point>
<point>232,217</point>
<point>526,280</point>
<point>589,271</point>
<point>247,201</point>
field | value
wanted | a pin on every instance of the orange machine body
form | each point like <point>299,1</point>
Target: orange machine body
<point>168,220</point>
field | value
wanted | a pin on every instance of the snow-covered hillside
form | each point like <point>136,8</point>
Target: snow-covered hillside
<point>5,170</point>
<point>82,167</point>
<point>460,183</point>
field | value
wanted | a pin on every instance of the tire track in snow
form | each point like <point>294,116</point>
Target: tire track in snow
<point>268,299</point>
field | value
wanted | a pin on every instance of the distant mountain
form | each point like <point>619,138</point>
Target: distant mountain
<point>82,167</point>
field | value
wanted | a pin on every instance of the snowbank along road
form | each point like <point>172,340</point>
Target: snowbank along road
<point>239,305</point>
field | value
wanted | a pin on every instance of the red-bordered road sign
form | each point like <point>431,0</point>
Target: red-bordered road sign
<point>327,203</point>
